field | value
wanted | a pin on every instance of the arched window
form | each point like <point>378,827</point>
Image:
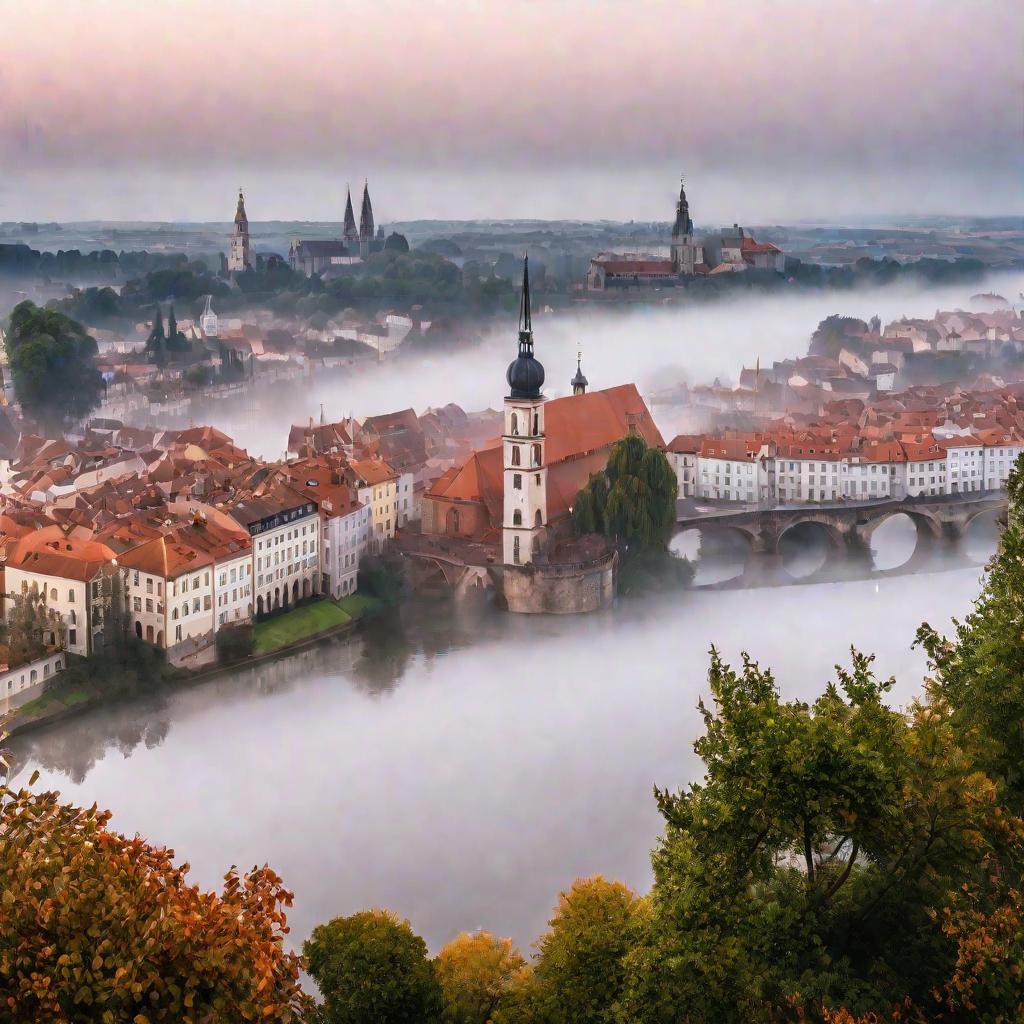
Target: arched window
<point>184,609</point>
<point>138,629</point>
<point>537,520</point>
<point>53,593</point>
<point>517,518</point>
<point>515,455</point>
<point>174,613</point>
<point>71,617</point>
<point>536,455</point>
<point>515,424</point>
<point>515,549</point>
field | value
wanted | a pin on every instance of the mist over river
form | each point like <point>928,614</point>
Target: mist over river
<point>462,766</point>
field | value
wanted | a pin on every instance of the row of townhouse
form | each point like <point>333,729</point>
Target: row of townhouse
<point>756,470</point>
<point>193,567</point>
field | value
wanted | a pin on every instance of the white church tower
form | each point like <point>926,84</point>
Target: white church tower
<point>524,462</point>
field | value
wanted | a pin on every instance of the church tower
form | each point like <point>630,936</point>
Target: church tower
<point>366,233</point>
<point>238,257</point>
<point>684,251</point>
<point>524,464</point>
<point>350,236</point>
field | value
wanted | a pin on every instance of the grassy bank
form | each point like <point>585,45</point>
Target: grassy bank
<point>302,623</point>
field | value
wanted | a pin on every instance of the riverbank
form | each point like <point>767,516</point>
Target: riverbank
<point>272,639</point>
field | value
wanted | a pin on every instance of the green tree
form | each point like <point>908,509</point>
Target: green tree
<point>634,500</point>
<point>809,868</point>
<point>633,504</point>
<point>476,972</point>
<point>979,672</point>
<point>579,971</point>
<point>373,969</point>
<point>53,363</point>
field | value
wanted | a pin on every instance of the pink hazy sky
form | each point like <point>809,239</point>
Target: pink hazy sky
<point>775,109</point>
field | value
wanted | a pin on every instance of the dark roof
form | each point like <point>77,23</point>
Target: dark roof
<point>320,247</point>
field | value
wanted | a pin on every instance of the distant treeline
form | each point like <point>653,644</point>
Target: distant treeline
<point>20,260</point>
<point>388,280</point>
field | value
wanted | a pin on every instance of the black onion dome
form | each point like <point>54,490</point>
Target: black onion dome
<point>525,374</point>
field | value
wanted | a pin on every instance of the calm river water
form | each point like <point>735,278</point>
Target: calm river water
<point>463,766</point>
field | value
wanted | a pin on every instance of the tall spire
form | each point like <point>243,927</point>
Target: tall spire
<point>525,374</point>
<point>350,233</point>
<point>240,217</point>
<point>525,327</point>
<point>366,215</point>
<point>683,224</point>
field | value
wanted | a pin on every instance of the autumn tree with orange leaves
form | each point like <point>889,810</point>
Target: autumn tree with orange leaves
<point>96,926</point>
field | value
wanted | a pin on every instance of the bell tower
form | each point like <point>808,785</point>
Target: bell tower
<point>684,251</point>
<point>238,257</point>
<point>523,446</point>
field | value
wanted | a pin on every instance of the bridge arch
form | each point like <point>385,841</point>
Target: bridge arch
<point>808,545</point>
<point>928,532</point>
<point>719,551</point>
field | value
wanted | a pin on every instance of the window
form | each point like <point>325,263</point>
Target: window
<point>71,595</point>
<point>515,455</point>
<point>517,518</point>
<point>515,424</point>
<point>517,481</point>
<point>515,549</point>
<point>73,637</point>
<point>53,593</point>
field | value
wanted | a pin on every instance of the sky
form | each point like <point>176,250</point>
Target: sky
<point>775,110</point>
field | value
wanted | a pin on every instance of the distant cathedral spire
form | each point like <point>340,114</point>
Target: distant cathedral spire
<point>351,234</point>
<point>683,225</point>
<point>366,232</point>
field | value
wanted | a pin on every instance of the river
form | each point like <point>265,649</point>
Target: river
<point>462,766</point>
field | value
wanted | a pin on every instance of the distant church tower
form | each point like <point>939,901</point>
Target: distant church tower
<point>351,235</point>
<point>685,254</point>
<point>238,257</point>
<point>524,463</point>
<point>366,232</point>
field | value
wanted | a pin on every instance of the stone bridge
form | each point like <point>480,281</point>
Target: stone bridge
<point>941,523</point>
<point>449,564</point>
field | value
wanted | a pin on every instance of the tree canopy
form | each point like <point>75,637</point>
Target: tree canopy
<point>476,973</point>
<point>95,926</point>
<point>837,857</point>
<point>634,500</point>
<point>53,364</point>
<point>373,967</point>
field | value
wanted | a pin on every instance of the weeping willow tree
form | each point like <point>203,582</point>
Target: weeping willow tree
<point>633,502</point>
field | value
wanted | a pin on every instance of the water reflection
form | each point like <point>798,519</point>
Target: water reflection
<point>458,764</point>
